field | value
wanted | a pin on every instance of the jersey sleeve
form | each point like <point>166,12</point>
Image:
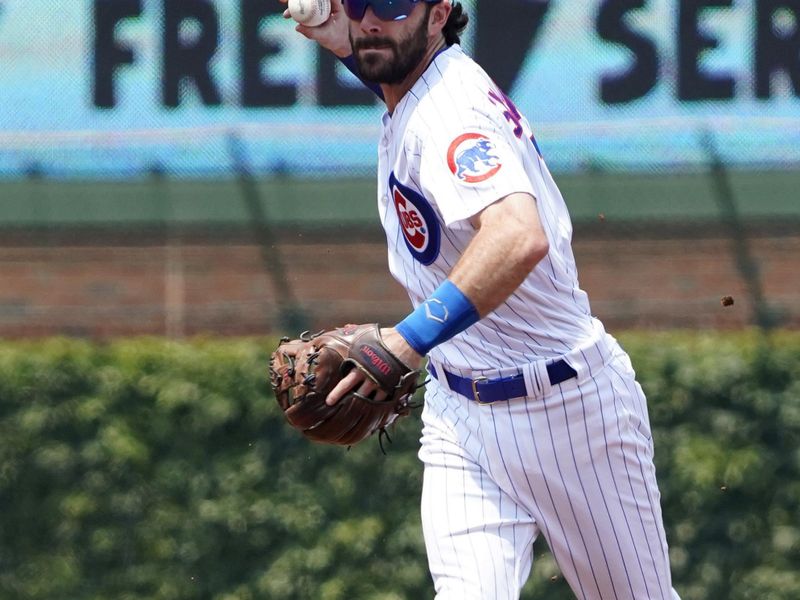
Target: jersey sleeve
<point>471,163</point>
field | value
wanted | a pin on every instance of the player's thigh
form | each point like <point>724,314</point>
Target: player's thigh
<point>604,522</point>
<point>479,541</point>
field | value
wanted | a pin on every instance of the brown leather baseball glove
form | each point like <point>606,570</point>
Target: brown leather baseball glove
<point>304,371</point>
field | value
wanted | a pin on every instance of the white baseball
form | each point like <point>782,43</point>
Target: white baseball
<point>310,12</point>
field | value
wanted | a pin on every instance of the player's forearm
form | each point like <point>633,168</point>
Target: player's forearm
<point>496,263</point>
<point>509,243</point>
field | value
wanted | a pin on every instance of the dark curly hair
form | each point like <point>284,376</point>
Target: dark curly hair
<point>455,25</point>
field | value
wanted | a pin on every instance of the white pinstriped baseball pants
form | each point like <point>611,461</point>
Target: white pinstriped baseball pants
<point>575,464</point>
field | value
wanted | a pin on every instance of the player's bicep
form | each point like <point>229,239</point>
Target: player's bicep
<point>516,215</point>
<point>519,206</point>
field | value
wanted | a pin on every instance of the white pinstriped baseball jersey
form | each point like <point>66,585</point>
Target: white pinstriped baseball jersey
<point>570,458</point>
<point>454,145</point>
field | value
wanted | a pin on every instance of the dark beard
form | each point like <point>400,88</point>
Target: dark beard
<point>377,69</point>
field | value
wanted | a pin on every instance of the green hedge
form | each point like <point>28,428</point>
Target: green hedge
<point>148,469</point>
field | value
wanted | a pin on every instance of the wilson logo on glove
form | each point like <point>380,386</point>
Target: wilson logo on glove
<point>377,362</point>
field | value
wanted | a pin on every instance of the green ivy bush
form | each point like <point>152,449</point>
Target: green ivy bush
<point>149,469</point>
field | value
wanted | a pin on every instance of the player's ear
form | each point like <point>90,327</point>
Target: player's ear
<point>438,17</point>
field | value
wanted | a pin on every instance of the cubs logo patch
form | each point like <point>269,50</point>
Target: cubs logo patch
<point>472,157</point>
<point>418,222</point>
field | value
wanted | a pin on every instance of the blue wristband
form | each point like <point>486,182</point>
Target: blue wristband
<point>445,314</point>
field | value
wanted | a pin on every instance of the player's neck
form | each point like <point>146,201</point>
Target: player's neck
<point>393,93</point>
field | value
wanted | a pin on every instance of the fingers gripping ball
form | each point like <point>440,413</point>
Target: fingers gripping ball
<point>310,13</point>
<point>304,371</point>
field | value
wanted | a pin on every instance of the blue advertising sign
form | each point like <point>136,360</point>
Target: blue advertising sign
<point>120,87</point>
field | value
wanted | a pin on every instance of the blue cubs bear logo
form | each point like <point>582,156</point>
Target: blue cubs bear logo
<point>472,157</point>
<point>476,159</point>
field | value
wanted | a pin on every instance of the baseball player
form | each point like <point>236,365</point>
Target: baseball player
<point>533,420</point>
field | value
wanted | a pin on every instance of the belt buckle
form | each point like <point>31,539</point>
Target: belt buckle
<point>476,395</point>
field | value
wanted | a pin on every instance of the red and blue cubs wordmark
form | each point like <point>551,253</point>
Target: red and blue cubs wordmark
<point>472,157</point>
<point>418,222</point>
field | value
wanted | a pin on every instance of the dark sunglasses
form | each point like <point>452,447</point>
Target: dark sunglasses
<point>385,10</point>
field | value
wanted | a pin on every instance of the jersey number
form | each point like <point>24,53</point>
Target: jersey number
<point>512,115</point>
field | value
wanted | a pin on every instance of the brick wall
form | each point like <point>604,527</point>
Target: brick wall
<point>104,283</point>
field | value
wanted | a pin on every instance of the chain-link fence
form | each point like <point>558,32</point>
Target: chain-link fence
<point>182,166</point>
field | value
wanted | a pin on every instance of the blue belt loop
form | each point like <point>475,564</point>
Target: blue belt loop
<point>560,371</point>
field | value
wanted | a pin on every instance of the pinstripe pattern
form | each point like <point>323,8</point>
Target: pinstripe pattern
<point>549,307</point>
<point>574,462</point>
<point>575,465</point>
